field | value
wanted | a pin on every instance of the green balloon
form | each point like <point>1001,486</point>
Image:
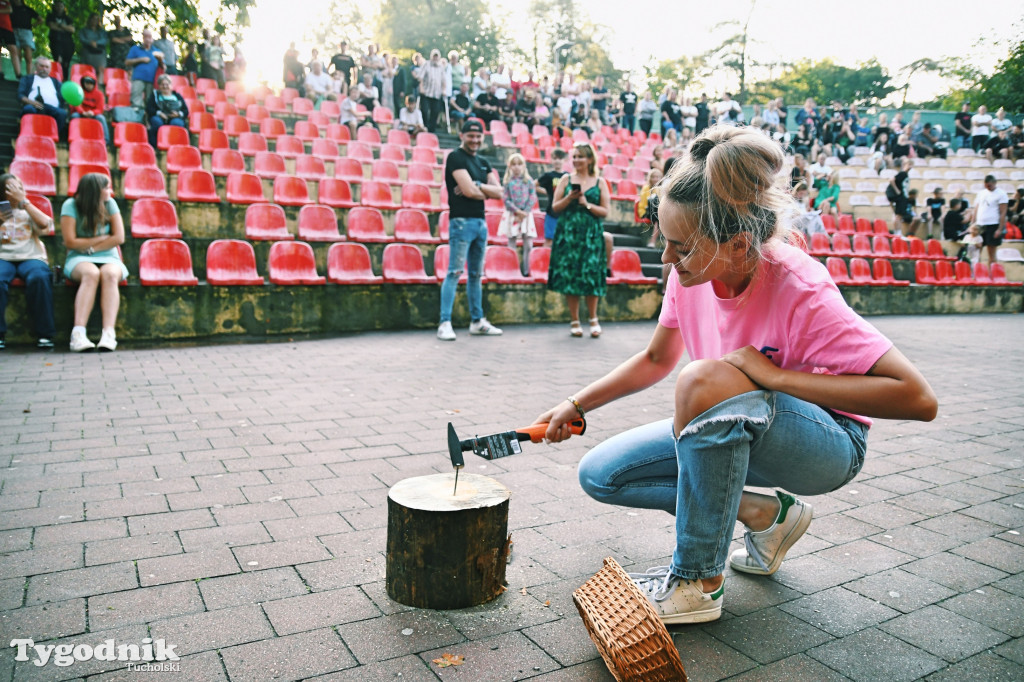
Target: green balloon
<point>72,93</point>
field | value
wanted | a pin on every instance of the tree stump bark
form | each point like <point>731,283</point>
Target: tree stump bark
<point>447,551</point>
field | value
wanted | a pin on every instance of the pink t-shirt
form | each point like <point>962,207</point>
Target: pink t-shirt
<point>792,311</point>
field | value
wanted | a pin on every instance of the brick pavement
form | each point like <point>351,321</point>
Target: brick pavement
<point>232,501</point>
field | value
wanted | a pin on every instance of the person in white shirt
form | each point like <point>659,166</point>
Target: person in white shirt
<point>40,93</point>
<point>990,215</point>
<point>981,124</point>
<point>367,93</point>
<point>728,110</point>
<point>410,118</point>
<point>318,83</point>
<point>689,113</point>
<point>502,81</point>
<point>820,171</point>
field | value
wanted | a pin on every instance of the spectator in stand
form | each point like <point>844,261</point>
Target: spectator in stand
<point>23,255</point>
<point>367,93</point>
<point>599,98</point>
<point>290,53</point>
<point>648,109</point>
<point>546,185</point>
<point>804,140</point>
<point>901,149</point>
<point>143,61</point>
<point>962,123</point>
<point>351,116</point>
<point>689,112</point>
<point>728,110</point>
<point>62,36</point>
<point>338,90</point>
<point>594,123</point>
<point>526,108</point>
<point>165,44</point>
<point>343,63</point>
<point>93,105</point>
<point>487,106</point>
<point>432,89</point>
<point>771,116</point>
<point>703,113</point>
<point>903,201</point>
<point>1015,208</point>
<point>935,203</point>
<point>981,128</point>
<point>190,64</point>
<point>997,146</point>
<point>671,113</point>
<point>92,228</point>
<point>897,123</point>
<point>165,107</point>
<point>402,84</point>
<point>658,158</point>
<point>1016,138</point>
<point>40,94</point>
<point>213,59</point>
<point>991,206</point>
<point>410,118</point>
<point>880,156</point>
<point>628,101</point>
<point>387,79</point>
<point>954,221</point>
<point>294,73</point>
<point>519,196</point>
<point>373,64</point>
<point>820,171</point>
<point>643,209</point>
<point>972,241</point>
<point>314,56</point>
<point>23,18</point>
<point>92,41</point>
<point>828,196</point>
<point>121,42</point>
<point>1000,122</point>
<point>457,72</point>
<point>798,173</point>
<point>480,81</point>
<point>318,84</point>
<point>459,107</point>
<point>808,112</point>
<point>7,38</point>
<point>927,143</point>
<point>503,82</point>
<point>783,110</point>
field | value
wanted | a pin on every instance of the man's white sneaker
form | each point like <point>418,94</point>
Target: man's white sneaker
<point>678,600</point>
<point>445,331</point>
<point>764,550</point>
<point>483,328</point>
<point>79,342</point>
<point>108,341</point>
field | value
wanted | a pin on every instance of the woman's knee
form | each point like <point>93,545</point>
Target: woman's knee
<point>702,384</point>
<point>111,274</point>
<point>86,273</point>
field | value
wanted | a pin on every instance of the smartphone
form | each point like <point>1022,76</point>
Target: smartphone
<point>576,187</point>
<point>6,212</point>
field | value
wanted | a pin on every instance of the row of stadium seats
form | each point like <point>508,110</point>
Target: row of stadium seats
<point>945,273</point>
<point>877,246</point>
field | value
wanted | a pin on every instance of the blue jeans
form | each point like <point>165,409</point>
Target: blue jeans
<point>629,121</point>
<point>103,122</point>
<point>38,292</point>
<point>467,239</point>
<point>761,438</point>
<point>57,114</point>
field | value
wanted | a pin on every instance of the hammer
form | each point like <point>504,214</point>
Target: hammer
<point>500,444</point>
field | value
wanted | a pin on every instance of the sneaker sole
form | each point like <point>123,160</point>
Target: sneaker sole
<point>692,617</point>
<point>795,533</point>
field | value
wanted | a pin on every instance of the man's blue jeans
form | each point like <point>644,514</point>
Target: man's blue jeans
<point>38,293</point>
<point>761,438</point>
<point>467,239</point>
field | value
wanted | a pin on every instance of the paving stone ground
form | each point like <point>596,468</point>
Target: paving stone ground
<point>231,500</point>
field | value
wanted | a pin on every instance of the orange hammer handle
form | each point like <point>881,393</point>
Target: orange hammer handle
<point>536,431</point>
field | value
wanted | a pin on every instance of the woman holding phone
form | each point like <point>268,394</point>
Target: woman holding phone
<point>579,260</point>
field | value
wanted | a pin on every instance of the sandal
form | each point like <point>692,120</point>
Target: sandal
<point>595,328</point>
<point>575,329</point>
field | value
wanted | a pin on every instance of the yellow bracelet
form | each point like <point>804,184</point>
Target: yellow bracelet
<point>579,408</point>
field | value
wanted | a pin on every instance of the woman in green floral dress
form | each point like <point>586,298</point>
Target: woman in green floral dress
<point>578,259</point>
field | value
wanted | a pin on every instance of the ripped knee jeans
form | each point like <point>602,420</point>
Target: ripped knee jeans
<point>760,438</point>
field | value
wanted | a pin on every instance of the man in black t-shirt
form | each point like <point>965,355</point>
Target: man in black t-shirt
<point>629,100</point>
<point>62,36</point>
<point>469,180</point>
<point>953,222</point>
<point>703,114</point>
<point>599,98</point>
<point>459,106</point>
<point>487,106</point>
<point>671,113</point>
<point>997,147</point>
<point>343,62</point>
<point>963,125</point>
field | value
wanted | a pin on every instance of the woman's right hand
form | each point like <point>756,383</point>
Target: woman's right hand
<point>558,419</point>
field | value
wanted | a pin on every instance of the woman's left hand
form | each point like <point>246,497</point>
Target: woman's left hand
<point>15,193</point>
<point>756,365</point>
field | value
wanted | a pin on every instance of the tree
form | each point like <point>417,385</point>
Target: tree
<point>1003,88</point>
<point>731,53</point>
<point>825,80</point>
<point>422,25</point>
<point>682,73</point>
<point>924,64</point>
<point>181,16</point>
<point>347,23</point>
<point>552,22</point>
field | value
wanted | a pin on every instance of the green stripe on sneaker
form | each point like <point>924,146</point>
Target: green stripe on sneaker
<point>717,594</point>
<point>785,502</point>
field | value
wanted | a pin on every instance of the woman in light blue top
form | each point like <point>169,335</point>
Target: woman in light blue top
<point>92,228</point>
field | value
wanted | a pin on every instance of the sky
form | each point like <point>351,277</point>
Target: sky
<point>896,33</point>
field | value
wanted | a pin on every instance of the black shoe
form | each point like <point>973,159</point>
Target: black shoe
<point>3,342</point>
<point>44,344</point>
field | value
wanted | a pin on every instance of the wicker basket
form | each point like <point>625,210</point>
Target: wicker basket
<point>632,639</point>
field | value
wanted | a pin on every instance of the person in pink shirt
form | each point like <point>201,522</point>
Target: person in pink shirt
<point>782,380</point>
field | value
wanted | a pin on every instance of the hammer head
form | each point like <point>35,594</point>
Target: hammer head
<point>455,448</point>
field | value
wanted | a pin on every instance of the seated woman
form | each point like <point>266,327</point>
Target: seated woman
<point>92,228</point>
<point>165,107</point>
<point>23,255</point>
<point>827,200</point>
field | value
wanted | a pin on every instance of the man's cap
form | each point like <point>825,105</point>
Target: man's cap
<point>473,125</point>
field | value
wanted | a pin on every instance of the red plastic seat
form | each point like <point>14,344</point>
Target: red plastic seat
<point>301,106</point>
<point>364,224</point>
<point>998,275</point>
<point>382,115</point>
<point>320,118</point>
<point>881,227</point>
<point>626,190</point>
<point>197,186</point>
<point>39,125</point>
<point>501,266</point>
<point>493,223</point>
<point>85,129</point>
<point>385,171</point>
<point>881,248</point>
<point>318,223</point>
<point>403,264</point>
<point>236,125</point>
<point>422,174</point>
<point>441,257</point>
<point>231,262</point>
<point>330,108</point>
<point>77,172</point>
<point>269,165</point>
<point>204,84</point>
<point>244,188</point>
<point>275,104</point>
<point>820,245</point>
<point>289,146</point>
<point>92,152</point>
<point>933,247</point>
<point>78,71</point>
<point>177,82</point>
<point>917,248</point>
<point>154,219</point>
<point>251,144</point>
<point>255,113</point>
<point>981,275</point>
<point>417,196</point>
<point>201,120</point>
<point>143,183</point>
<point>120,99</point>
<point>304,130</point>
<point>338,132</point>
<point>310,168</point>
<point>272,128</point>
<point>400,138</point>
<point>212,96</point>
<point>378,195</point>
<point>944,272</point>
<point>234,88</point>
<point>882,271</point>
<point>846,224</point>
<point>841,244</point>
<point>540,262</point>
<point>829,222</point>
<point>129,132</point>
<point>860,272</point>
<point>962,271</point>
<point>227,161</point>
<point>924,274</point>
<point>348,169</point>
<point>837,269</point>
<point>428,140</point>
<point>166,262</point>
<point>181,157</point>
<point>627,269</point>
<point>44,205</point>
<point>501,139</point>
<point>293,263</point>
<point>195,107</point>
<point>211,139</point>
<point>862,245</point>
<point>325,149</point>
<point>359,150</point>
<point>266,222</point>
<point>900,248</point>
<point>349,263</point>
<point>425,155</point>
<point>336,193</point>
<point>224,110</point>
<point>863,226</point>
<point>368,135</point>
<point>413,227</point>
<point>135,155</point>
<point>290,191</point>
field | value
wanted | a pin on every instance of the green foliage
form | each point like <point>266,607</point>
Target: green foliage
<point>683,73</point>
<point>825,80</point>
<point>1003,88</point>
<point>348,24</point>
<point>552,22</point>
<point>592,57</point>
<point>422,25</point>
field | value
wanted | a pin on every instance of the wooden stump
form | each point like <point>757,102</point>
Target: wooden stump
<point>447,551</point>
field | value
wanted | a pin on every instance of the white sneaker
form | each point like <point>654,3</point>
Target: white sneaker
<point>445,331</point>
<point>79,342</point>
<point>483,328</point>
<point>108,341</point>
<point>678,600</point>
<point>764,550</point>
